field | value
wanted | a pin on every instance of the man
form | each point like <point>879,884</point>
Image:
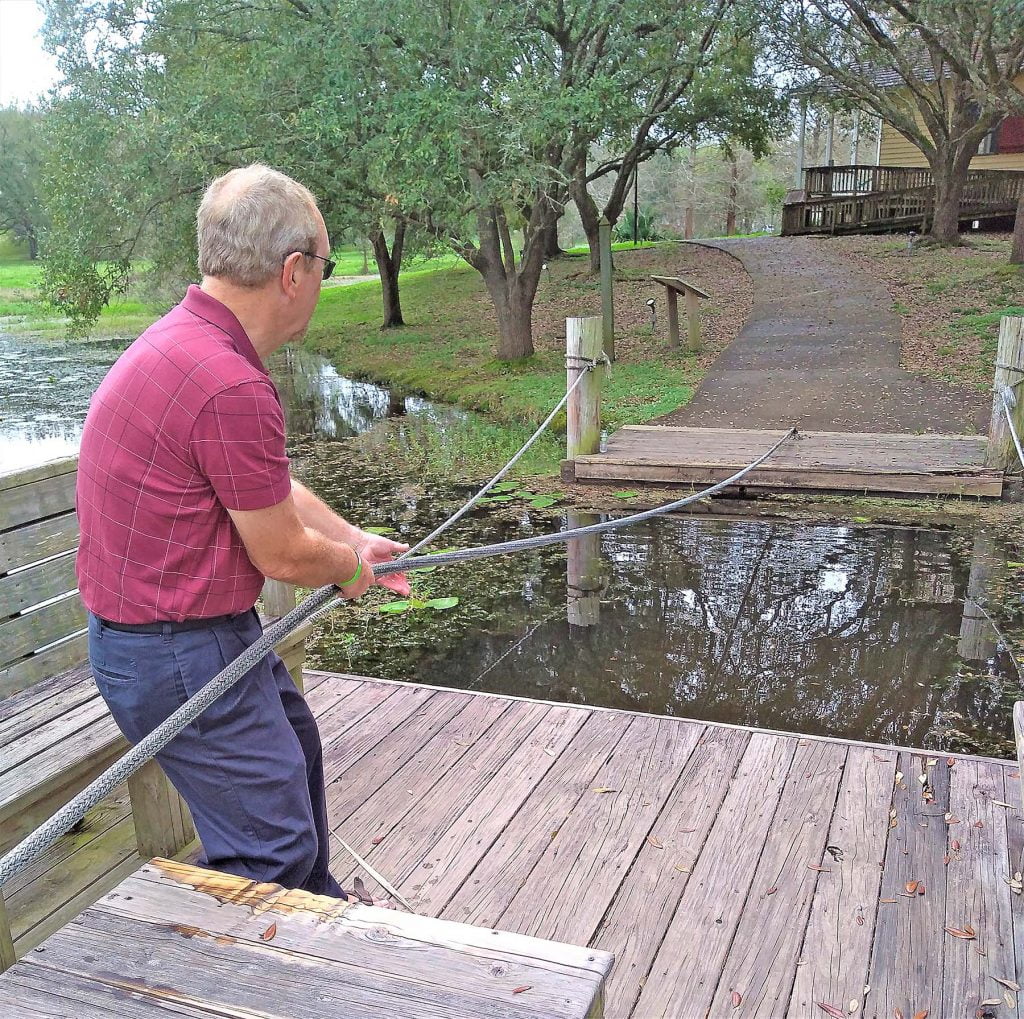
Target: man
<point>186,504</point>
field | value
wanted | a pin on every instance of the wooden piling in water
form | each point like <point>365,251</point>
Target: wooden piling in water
<point>583,412</point>
<point>1000,452</point>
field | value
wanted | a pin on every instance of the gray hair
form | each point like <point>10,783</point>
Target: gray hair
<point>249,220</point>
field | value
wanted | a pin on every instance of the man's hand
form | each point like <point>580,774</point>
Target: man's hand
<point>375,548</point>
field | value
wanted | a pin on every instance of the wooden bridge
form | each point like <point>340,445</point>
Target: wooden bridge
<point>863,462</point>
<point>864,199</point>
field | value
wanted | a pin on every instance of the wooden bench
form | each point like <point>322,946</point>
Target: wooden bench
<point>174,940</point>
<point>56,734</point>
<point>674,286</point>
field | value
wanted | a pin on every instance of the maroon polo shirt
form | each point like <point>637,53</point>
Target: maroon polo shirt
<point>186,425</point>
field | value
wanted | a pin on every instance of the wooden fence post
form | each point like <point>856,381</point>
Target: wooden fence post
<point>7,957</point>
<point>692,321</point>
<point>1000,452</point>
<point>278,600</point>
<point>607,300</point>
<point>583,576</point>
<point>583,411</point>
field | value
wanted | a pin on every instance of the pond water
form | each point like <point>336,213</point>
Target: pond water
<point>852,631</point>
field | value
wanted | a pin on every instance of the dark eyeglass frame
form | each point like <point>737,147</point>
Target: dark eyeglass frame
<point>329,263</point>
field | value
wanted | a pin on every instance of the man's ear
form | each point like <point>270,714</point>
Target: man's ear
<point>289,272</point>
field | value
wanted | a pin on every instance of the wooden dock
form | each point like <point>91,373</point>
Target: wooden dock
<point>732,872</point>
<point>830,461</point>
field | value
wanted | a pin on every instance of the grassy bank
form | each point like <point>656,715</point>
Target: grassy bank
<point>446,349</point>
<point>950,300</point>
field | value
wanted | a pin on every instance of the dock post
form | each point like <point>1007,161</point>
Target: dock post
<point>977,641</point>
<point>1000,452</point>
<point>583,579</point>
<point>607,300</point>
<point>583,411</point>
<point>7,957</point>
<point>278,600</point>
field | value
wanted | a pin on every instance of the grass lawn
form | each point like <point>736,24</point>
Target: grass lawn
<point>446,349</point>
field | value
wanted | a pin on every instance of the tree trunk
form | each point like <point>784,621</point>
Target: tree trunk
<point>1017,254</point>
<point>389,263</point>
<point>950,172</point>
<point>590,217</point>
<point>552,249</point>
<point>33,247</point>
<point>730,211</point>
<point>514,310</point>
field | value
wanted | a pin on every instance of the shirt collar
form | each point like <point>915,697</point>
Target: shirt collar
<point>208,308</point>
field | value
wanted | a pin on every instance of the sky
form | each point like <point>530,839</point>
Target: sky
<point>25,70</point>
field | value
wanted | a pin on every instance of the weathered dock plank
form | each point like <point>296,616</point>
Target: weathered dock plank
<point>842,919</point>
<point>835,461</point>
<point>688,965</point>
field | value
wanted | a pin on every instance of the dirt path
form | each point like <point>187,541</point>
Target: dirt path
<point>821,349</point>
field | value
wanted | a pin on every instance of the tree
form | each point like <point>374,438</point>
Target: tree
<point>21,211</point>
<point>941,72</point>
<point>695,74</point>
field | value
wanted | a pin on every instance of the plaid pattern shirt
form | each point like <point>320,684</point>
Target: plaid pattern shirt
<point>185,426</point>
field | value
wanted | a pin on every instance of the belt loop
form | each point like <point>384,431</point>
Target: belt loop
<point>168,635</point>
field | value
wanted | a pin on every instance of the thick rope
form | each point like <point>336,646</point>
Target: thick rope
<point>318,602</point>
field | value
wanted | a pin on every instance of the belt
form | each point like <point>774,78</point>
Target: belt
<point>173,626</point>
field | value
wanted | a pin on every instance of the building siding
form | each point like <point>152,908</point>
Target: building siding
<point>895,150</point>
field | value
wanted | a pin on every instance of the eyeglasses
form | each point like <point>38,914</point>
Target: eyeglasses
<point>329,263</point>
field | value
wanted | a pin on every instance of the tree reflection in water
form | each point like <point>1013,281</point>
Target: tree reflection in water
<point>849,632</point>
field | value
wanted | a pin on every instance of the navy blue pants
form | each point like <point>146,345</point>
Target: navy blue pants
<point>250,767</point>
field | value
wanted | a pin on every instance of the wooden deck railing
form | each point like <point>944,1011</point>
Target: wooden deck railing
<point>987,193</point>
<point>828,181</point>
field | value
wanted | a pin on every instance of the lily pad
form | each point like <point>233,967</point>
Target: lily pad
<point>543,501</point>
<point>628,494</point>
<point>442,603</point>
<point>505,486</point>
<point>380,530</point>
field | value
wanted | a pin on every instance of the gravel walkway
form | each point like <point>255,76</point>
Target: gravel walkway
<point>821,350</point>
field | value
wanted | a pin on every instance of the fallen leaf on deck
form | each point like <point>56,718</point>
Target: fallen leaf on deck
<point>360,889</point>
<point>831,1010</point>
<point>1000,803</point>
<point>920,888</point>
<point>378,840</point>
<point>897,1013</point>
<point>1009,999</point>
<point>1012,984</point>
<point>605,789</point>
<point>923,779</point>
<point>820,870</point>
<point>950,761</point>
<point>955,845</point>
<point>911,886</point>
<point>899,777</point>
<point>992,1001</point>
<point>684,870</point>
<point>860,920</point>
<point>1015,884</point>
<point>737,999</point>
<point>269,933</point>
<point>950,819</point>
<point>979,824</point>
<point>655,842</point>
<point>853,1006</point>
<point>946,859</point>
<point>771,891</point>
<point>921,1015</point>
<point>932,761</point>
<point>886,900</point>
<point>961,932</point>
<point>519,990</point>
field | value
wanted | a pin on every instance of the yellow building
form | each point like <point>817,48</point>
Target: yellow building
<point>1002,149</point>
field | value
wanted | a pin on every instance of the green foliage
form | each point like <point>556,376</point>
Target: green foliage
<point>21,210</point>
<point>646,228</point>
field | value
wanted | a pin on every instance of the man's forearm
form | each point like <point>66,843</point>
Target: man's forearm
<point>315,513</point>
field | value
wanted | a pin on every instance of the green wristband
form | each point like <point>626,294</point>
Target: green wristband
<point>359,568</point>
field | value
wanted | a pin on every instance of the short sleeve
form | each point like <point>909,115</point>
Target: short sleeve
<point>238,442</point>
